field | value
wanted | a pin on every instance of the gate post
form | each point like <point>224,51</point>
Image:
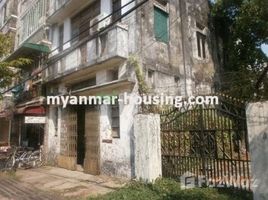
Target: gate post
<point>148,163</point>
<point>257,122</point>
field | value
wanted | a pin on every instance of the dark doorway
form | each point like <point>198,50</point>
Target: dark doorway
<point>34,136</point>
<point>80,135</point>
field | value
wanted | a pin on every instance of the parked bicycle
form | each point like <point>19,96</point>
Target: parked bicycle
<point>8,159</point>
<point>21,157</point>
<point>28,158</point>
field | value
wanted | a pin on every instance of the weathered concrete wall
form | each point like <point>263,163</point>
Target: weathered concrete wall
<point>257,121</point>
<point>167,61</point>
<point>148,164</point>
<point>179,56</point>
<point>117,154</point>
<point>52,136</point>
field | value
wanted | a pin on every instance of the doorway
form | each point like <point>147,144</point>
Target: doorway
<point>33,136</point>
<point>80,135</point>
<point>92,140</point>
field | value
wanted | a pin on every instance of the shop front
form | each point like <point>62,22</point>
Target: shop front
<point>4,129</point>
<point>28,127</point>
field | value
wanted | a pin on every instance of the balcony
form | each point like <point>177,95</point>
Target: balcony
<point>8,16</point>
<point>109,49</point>
<point>61,9</point>
<point>21,95</point>
<point>31,21</point>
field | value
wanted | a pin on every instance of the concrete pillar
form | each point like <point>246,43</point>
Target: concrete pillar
<point>257,121</point>
<point>147,145</point>
<point>67,33</point>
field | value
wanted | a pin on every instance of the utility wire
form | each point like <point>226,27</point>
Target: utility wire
<point>107,27</point>
<point>94,36</point>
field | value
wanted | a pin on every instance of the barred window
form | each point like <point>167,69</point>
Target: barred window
<point>201,45</point>
<point>115,120</point>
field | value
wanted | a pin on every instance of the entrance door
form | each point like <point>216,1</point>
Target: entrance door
<point>80,135</point>
<point>68,143</point>
<point>92,139</point>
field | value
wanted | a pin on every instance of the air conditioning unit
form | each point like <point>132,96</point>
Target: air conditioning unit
<point>98,23</point>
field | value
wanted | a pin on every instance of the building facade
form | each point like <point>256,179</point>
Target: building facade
<point>92,44</point>
<point>8,19</point>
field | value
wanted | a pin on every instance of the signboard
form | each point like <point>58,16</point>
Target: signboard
<point>35,120</point>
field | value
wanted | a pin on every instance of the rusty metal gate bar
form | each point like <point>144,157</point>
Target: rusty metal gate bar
<point>209,142</point>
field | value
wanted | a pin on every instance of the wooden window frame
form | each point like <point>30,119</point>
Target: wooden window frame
<point>116,4</point>
<point>115,129</point>
<point>61,37</point>
<point>201,40</point>
<point>162,37</point>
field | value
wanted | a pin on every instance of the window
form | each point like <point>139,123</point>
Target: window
<point>176,79</point>
<point>61,32</point>
<point>201,45</point>
<point>116,9</point>
<point>84,84</point>
<point>151,78</point>
<point>3,14</point>
<point>56,125</point>
<point>115,120</point>
<point>75,24</point>
<point>162,2</point>
<point>103,43</point>
<point>161,19</point>
<point>114,74</point>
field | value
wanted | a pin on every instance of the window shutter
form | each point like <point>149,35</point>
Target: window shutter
<point>161,25</point>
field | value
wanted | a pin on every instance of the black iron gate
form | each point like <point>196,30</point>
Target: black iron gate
<point>209,142</point>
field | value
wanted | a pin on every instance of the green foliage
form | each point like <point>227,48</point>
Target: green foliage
<point>7,69</point>
<point>243,27</point>
<point>143,88</point>
<point>166,189</point>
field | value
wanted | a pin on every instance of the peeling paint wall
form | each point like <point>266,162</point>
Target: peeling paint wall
<point>117,154</point>
<point>148,161</point>
<point>52,136</point>
<point>175,66</point>
<point>179,56</point>
<point>257,123</point>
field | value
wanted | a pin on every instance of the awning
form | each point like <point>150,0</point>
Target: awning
<point>33,110</point>
<point>28,50</point>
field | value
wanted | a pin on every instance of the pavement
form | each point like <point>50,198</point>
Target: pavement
<point>55,183</point>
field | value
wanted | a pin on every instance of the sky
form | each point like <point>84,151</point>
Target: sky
<point>265,49</point>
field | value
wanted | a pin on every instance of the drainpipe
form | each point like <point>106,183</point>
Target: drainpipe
<point>183,47</point>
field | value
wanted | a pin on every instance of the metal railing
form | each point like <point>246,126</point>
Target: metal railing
<point>113,43</point>
<point>32,20</point>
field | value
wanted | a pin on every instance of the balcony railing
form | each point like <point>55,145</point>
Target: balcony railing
<point>22,96</point>
<point>55,5</point>
<point>32,20</point>
<point>109,45</point>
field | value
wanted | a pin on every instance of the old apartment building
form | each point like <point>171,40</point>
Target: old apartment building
<point>83,48</point>
<point>8,18</point>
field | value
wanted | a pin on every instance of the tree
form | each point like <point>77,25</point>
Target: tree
<point>7,69</point>
<point>243,27</point>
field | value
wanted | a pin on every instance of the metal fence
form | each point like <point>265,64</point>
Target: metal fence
<point>209,142</point>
